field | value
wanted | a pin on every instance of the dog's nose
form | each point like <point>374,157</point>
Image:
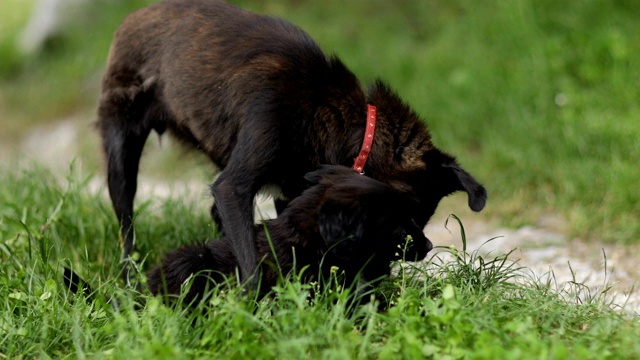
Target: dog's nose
<point>429,244</point>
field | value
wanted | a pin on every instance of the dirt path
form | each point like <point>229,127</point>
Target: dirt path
<point>547,254</point>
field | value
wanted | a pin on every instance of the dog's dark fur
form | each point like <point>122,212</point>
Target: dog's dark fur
<point>344,220</point>
<point>259,97</point>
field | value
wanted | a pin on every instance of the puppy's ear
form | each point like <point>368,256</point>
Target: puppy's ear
<point>341,225</point>
<point>327,173</point>
<point>339,222</point>
<point>353,202</point>
<point>451,177</point>
<point>477,193</point>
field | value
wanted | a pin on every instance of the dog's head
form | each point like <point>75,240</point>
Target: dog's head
<point>440,177</point>
<point>360,217</point>
<point>404,157</point>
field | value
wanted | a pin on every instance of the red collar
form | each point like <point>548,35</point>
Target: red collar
<point>359,161</point>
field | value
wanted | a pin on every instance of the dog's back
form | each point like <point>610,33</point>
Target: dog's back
<point>210,60</point>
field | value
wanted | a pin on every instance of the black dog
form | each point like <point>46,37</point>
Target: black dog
<point>259,97</point>
<point>344,220</point>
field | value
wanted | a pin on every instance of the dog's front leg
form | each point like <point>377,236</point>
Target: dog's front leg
<point>235,208</point>
<point>252,164</point>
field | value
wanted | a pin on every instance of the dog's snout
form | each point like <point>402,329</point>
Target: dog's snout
<point>429,245</point>
<point>427,242</point>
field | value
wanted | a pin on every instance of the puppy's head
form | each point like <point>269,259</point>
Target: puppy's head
<point>360,217</point>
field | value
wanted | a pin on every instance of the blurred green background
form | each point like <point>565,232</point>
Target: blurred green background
<point>539,99</point>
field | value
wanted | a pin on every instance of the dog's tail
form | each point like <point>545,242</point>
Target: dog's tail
<point>77,285</point>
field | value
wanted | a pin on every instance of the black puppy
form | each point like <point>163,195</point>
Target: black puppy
<point>344,220</point>
<point>261,99</point>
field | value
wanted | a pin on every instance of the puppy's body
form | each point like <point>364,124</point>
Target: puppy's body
<point>260,98</point>
<point>344,220</point>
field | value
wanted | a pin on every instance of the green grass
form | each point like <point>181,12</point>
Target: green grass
<point>457,305</point>
<point>537,98</point>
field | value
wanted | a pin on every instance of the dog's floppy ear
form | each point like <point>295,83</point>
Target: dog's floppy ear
<point>452,177</point>
<point>327,173</point>
<point>349,201</point>
<point>341,224</point>
<point>477,193</point>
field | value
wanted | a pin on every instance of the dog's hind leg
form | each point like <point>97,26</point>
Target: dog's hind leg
<point>124,128</point>
<point>215,216</point>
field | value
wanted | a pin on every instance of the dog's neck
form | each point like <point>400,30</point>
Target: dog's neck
<point>404,136</point>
